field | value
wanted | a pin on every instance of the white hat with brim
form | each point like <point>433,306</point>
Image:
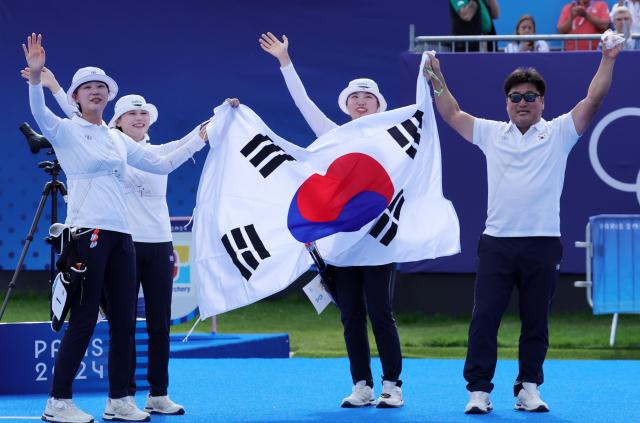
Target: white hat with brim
<point>361,84</point>
<point>89,74</point>
<point>131,102</point>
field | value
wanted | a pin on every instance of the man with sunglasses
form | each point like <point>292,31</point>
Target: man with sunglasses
<point>520,246</point>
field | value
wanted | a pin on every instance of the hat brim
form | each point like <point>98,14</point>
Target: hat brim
<point>344,95</point>
<point>111,84</point>
<point>150,108</point>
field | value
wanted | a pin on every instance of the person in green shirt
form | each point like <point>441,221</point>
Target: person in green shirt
<point>473,17</point>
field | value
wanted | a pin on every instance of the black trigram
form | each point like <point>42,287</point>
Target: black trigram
<point>243,253</point>
<point>407,133</point>
<point>391,214</point>
<point>267,156</point>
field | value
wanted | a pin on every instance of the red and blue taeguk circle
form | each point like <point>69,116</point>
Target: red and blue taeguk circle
<point>355,190</point>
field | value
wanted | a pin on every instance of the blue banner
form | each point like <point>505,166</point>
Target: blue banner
<point>603,170</point>
<point>28,355</point>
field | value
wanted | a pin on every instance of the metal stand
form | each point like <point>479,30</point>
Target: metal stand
<point>51,188</point>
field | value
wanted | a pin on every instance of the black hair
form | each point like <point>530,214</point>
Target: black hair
<point>524,76</point>
<point>75,92</point>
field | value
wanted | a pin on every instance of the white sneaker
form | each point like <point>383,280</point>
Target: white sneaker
<point>162,405</point>
<point>391,395</point>
<point>528,399</point>
<point>479,403</point>
<point>361,396</point>
<point>122,410</point>
<point>64,411</point>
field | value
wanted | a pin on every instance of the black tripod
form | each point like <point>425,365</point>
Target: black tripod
<point>51,188</point>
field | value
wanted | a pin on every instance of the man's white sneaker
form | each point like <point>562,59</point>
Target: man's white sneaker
<point>528,399</point>
<point>64,411</point>
<point>391,395</point>
<point>122,410</point>
<point>479,403</point>
<point>162,405</point>
<point>361,396</point>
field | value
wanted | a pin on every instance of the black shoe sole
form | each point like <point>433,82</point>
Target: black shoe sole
<point>349,405</point>
<point>119,419</point>
<point>540,409</point>
<point>476,410</point>
<point>385,405</point>
<point>47,419</point>
<point>160,413</point>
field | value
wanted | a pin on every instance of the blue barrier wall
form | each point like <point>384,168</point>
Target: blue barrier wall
<point>186,57</point>
<point>476,80</point>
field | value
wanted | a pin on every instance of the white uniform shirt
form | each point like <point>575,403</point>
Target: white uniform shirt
<point>525,174</point>
<point>318,121</point>
<point>147,196</point>
<point>94,160</point>
<point>146,193</point>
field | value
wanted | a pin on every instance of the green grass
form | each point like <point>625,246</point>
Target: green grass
<point>572,336</point>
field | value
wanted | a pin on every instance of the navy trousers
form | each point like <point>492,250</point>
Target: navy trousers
<point>110,259</point>
<point>154,271</point>
<point>362,291</point>
<point>532,265</point>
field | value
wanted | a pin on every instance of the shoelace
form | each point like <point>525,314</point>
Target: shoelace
<point>122,404</point>
<point>63,404</point>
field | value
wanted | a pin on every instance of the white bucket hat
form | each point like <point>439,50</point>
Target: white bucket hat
<point>89,74</point>
<point>131,102</point>
<point>361,84</point>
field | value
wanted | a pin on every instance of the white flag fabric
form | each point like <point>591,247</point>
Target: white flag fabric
<point>369,192</point>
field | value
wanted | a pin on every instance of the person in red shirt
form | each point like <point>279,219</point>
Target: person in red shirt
<point>583,17</point>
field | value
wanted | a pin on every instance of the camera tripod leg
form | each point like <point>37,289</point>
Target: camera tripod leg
<point>34,226</point>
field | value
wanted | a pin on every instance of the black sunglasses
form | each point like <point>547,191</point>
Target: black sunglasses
<point>529,97</point>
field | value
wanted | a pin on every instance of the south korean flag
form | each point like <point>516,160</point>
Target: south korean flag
<point>367,193</point>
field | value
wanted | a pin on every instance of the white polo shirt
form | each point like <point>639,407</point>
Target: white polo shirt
<point>94,159</point>
<point>146,196</point>
<point>525,174</point>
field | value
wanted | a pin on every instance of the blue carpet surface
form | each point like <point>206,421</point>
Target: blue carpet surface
<point>310,390</point>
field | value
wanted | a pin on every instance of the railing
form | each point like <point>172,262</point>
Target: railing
<point>441,43</point>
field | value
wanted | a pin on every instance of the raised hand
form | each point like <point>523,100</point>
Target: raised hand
<point>273,46</point>
<point>48,78</point>
<point>202,132</point>
<point>233,102</point>
<point>34,54</point>
<point>611,53</point>
<point>432,72</point>
<point>434,65</point>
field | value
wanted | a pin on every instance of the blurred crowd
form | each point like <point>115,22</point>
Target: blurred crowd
<point>475,17</point>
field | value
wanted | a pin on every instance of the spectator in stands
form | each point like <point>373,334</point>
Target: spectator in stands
<point>634,9</point>
<point>473,17</point>
<point>526,26</point>
<point>520,247</point>
<point>622,23</point>
<point>583,17</point>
